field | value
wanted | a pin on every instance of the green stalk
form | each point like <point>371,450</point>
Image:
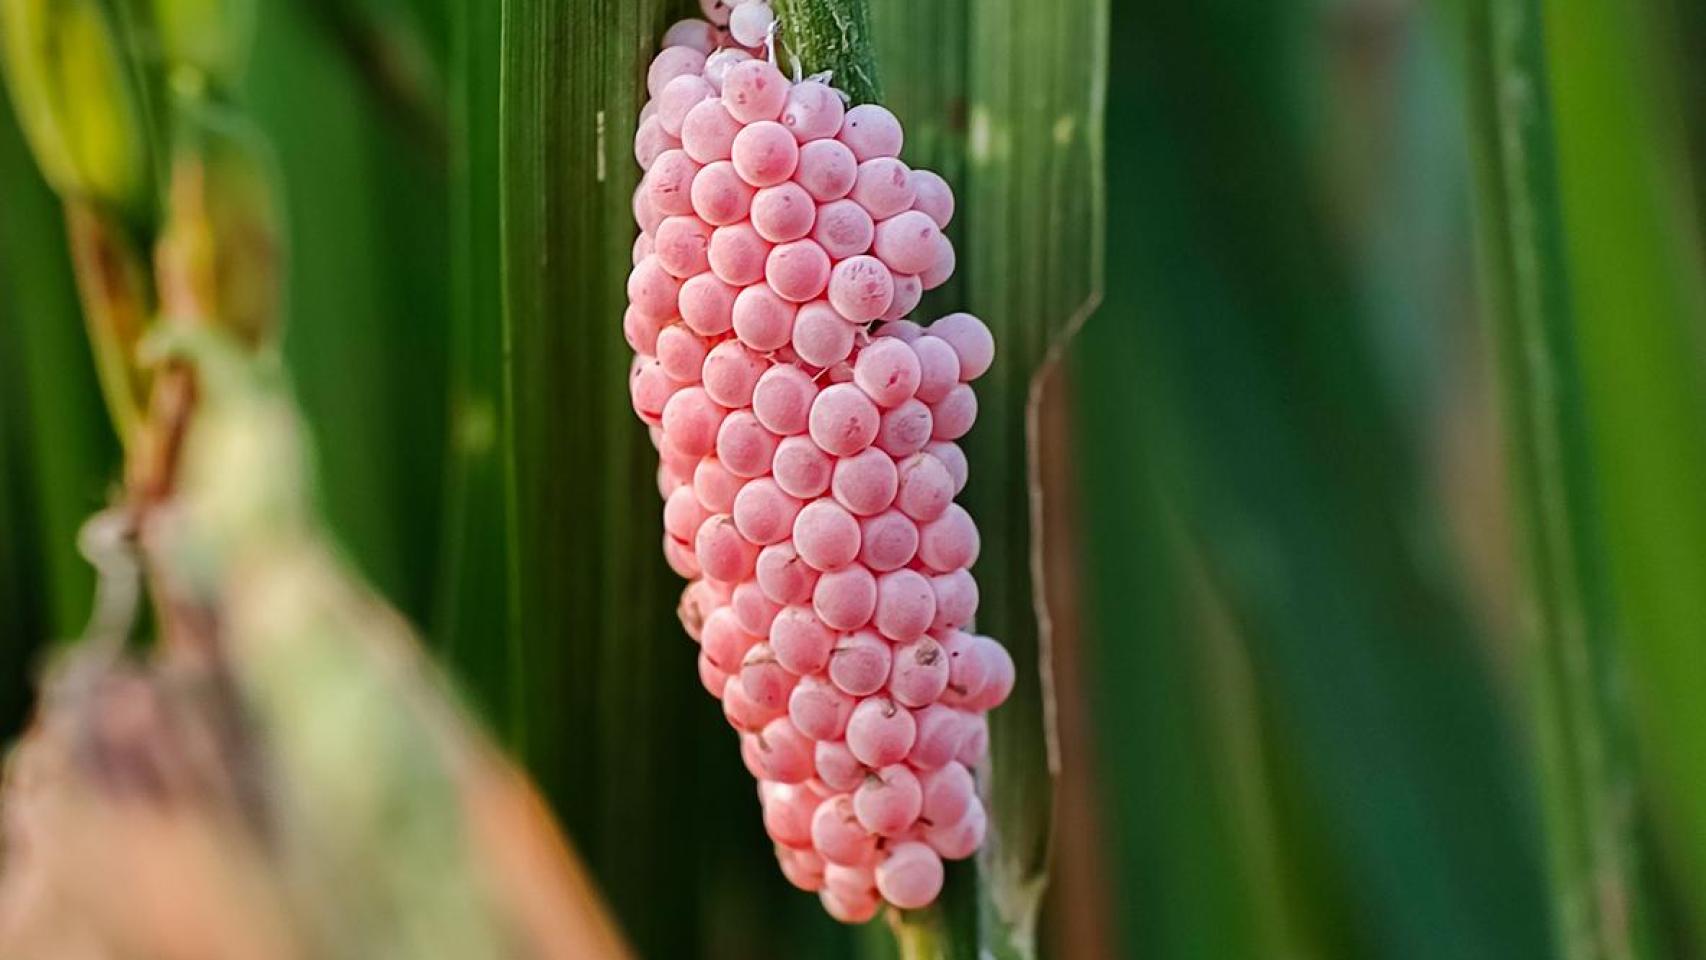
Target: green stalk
<point>832,36</point>
<point>1587,779</point>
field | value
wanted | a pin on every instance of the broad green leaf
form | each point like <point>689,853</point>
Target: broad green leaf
<point>1397,782</point>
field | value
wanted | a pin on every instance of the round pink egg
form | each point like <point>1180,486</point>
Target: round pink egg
<point>905,430</point>
<point>843,420</point>
<point>651,141</point>
<point>652,290</point>
<point>678,97</point>
<point>905,606</point>
<point>752,608</point>
<point>943,268</point>
<point>884,189</point>
<point>783,576</point>
<point>826,535</point>
<point>844,599</point>
<point>764,154</point>
<point>764,514</point>
<point>681,246</point>
<point>802,643</point>
<point>719,196</point>
<point>908,294</point>
<point>860,663</point>
<point>907,242</point>
<point>744,446</point>
<point>715,486</point>
<point>719,63</point>
<point>822,337</point>
<point>764,680</point>
<point>708,132</point>
<point>888,802</point>
<point>954,415</point>
<point>888,541</point>
<point>880,732</point>
<point>827,169</point>
<point>813,111</point>
<point>888,371</point>
<point>911,876</point>
<point>865,483</point>
<point>871,131</point>
<point>669,183</point>
<point>723,553</point>
<point>971,340</point>
<point>763,320</point>
<point>737,254</point>
<point>797,271</point>
<point>938,368</point>
<point>861,288</point>
<point>707,305</point>
<point>837,767</point>
<point>956,600</point>
<point>800,468</point>
<point>949,542</point>
<point>818,710</point>
<point>843,229</point>
<point>932,195</point>
<point>920,669</point>
<point>784,753</point>
<point>783,398</point>
<point>730,373</point>
<point>690,419</point>
<point>672,62</point>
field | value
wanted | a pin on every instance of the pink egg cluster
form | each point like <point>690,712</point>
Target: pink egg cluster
<point>809,463</point>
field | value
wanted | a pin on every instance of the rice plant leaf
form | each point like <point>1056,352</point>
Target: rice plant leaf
<point>1636,278</point>
<point>1578,682</point>
<point>1279,443</point>
<point>615,726</point>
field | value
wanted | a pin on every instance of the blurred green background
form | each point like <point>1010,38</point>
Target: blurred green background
<point>1299,466</point>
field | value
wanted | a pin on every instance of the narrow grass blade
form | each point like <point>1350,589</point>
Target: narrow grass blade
<point>1577,675</point>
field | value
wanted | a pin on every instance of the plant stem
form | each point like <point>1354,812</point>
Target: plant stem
<point>832,36</point>
<point>1587,787</point>
<point>112,283</point>
<point>920,934</point>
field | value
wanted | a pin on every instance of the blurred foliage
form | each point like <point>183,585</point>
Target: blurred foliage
<point>1301,634</point>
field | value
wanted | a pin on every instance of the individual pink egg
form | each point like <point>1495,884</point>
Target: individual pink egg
<point>861,288</point>
<point>865,483</point>
<point>880,731</point>
<point>802,643</point>
<point>672,62</point>
<point>821,336</point>
<point>754,91</point>
<point>884,189</point>
<point>764,680</point>
<point>801,468</point>
<point>938,368</point>
<point>651,141</point>
<point>692,32</point>
<point>691,419</point>
<point>969,668</point>
<point>669,183</point>
<point>744,446</point>
<point>783,576</point>
<point>681,246</point>
<point>763,320</point>
<point>682,514</point>
<point>976,748</point>
<point>782,400</point>
<point>843,229</point>
<point>714,680</point>
<point>956,599</point>
<point>1002,675</point>
<point>925,489</point>
<point>730,373</point>
<point>719,196</point>
<point>678,97</point>
<point>724,642</point>
<point>750,23</point>
<point>905,607</point>
<point>681,353</point>
<point>860,663</point>
<point>826,535</point>
<point>827,169</point>
<point>652,290</point>
<point>949,542</point>
<point>752,608</point>
<point>954,415</point>
<point>850,908</point>
<point>888,541</point>
<point>837,835</point>
<point>788,810</point>
<point>933,196</point>
<point>911,876</point>
<point>889,801</point>
<point>920,667</point>
<point>943,268</point>
<point>645,214</point>
<point>908,294</point>
<point>971,340</point>
<point>843,420</point>
<point>641,329</point>
<point>797,271</point>
<point>818,710</point>
<point>737,254</point>
<point>643,248</point>
<point>802,868</point>
<point>783,212</point>
<point>764,153</point>
<point>723,553</point>
<point>718,64</point>
<point>708,132</point>
<point>837,768</point>
<point>905,430</point>
<point>813,111</point>
<point>715,486</point>
<point>871,131</point>
<point>888,371</point>
<point>744,713</point>
<point>707,305</point>
<point>681,558</point>
<point>784,753</point>
<point>960,840</point>
<point>844,599</point>
<point>954,459</point>
<point>906,242</point>
<point>764,514</point>
<point>941,733</point>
